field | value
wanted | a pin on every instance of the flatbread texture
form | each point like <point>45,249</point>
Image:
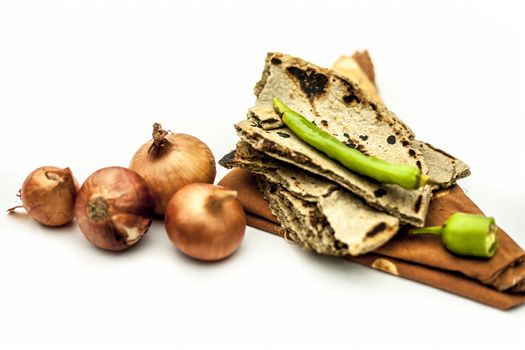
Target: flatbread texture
<point>315,213</point>
<point>340,107</point>
<point>320,204</point>
<point>301,183</point>
<point>409,206</point>
<point>444,168</point>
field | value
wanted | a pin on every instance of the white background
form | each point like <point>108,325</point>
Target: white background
<point>82,82</point>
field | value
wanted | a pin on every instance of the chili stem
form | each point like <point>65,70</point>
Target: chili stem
<point>435,230</point>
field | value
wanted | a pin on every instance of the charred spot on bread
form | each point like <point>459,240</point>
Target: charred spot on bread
<point>350,143</point>
<point>351,99</point>
<point>391,139</point>
<point>376,229</point>
<point>283,134</point>
<point>380,192</point>
<point>311,82</point>
<point>361,149</point>
<point>276,61</point>
<point>417,206</point>
<point>340,245</point>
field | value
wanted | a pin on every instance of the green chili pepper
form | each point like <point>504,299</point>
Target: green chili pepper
<point>406,176</point>
<point>466,234</point>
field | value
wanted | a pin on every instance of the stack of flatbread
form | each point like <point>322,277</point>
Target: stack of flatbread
<point>319,203</point>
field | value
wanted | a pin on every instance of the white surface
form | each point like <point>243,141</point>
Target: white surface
<point>81,84</point>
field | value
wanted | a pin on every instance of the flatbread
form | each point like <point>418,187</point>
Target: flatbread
<point>355,224</point>
<point>302,184</point>
<point>409,206</point>
<point>328,208</point>
<point>337,105</point>
<point>364,123</point>
<point>301,219</point>
<point>444,168</point>
<point>318,215</point>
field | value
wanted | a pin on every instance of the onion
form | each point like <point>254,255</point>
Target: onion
<point>48,195</point>
<point>114,208</point>
<point>171,161</point>
<point>206,222</point>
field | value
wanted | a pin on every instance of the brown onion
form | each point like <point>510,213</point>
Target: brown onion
<point>114,208</point>
<point>171,161</point>
<point>206,222</point>
<point>48,195</point>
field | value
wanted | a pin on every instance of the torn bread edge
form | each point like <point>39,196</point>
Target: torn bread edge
<point>317,214</point>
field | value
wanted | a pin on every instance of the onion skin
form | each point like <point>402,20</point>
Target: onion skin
<point>114,208</point>
<point>170,161</point>
<point>206,222</point>
<point>48,195</point>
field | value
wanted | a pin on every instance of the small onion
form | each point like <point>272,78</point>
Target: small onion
<point>48,195</point>
<point>114,208</point>
<point>171,161</point>
<point>206,222</point>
